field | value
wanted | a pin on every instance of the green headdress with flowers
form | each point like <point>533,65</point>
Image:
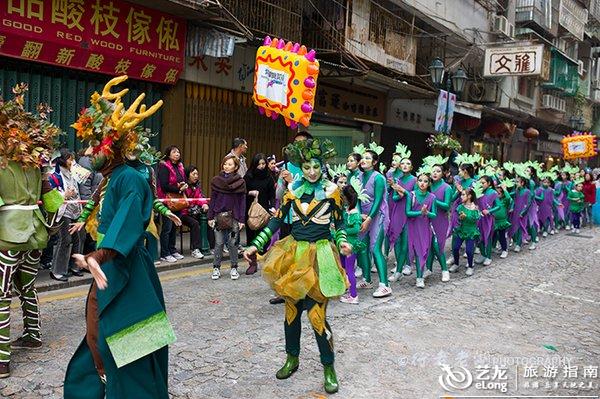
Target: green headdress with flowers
<point>578,181</point>
<point>537,166</point>
<point>548,175</point>
<point>572,169</point>
<point>489,171</point>
<point>467,159</point>
<point>302,151</point>
<point>509,166</point>
<point>357,185</point>
<point>433,160</point>
<point>359,149</point>
<point>382,167</point>
<point>493,163</point>
<point>509,183</point>
<point>376,148</point>
<point>521,170</point>
<point>478,189</point>
<point>403,151</point>
<point>425,169</point>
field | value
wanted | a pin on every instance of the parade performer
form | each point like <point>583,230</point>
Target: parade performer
<point>533,224</point>
<point>400,183</point>
<point>546,202</point>
<point>488,203</point>
<point>501,216</point>
<point>304,268</point>
<point>352,194</point>
<point>443,198</point>
<point>124,352</point>
<point>374,211</point>
<point>522,201</point>
<point>462,182</point>
<point>466,231</point>
<point>566,186</point>
<point>576,203</point>
<point>353,165</point>
<point>26,140</point>
<point>420,210</point>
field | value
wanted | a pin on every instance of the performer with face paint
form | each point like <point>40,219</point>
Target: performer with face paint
<point>488,204</point>
<point>376,221</point>
<point>401,182</point>
<point>420,210</point>
<point>304,268</point>
<point>443,198</point>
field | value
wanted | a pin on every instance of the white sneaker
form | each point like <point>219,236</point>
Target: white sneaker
<point>225,249</point>
<point>445,276</point>
<point>465,255</point>
<point>469,271</point>
<point>216,274</point>
<point>532,246</point>
<point>406,270</point>
<point>517,248</point>
<point>479,259</point>
<point>393,270</point>
<point>487,262</point>
<point>568,228</point>
<point>373,269</point>
<point>420,283</point>
<point>169,259</point>
<point>177,256</point>
<point>537,239</point>
<point>454,268</point>
<point>545,234</point>
<point>504,254</point>
<point>364,284</point>
<point>427,273</point>
<point>552,232</point>
<point>233,273</point>
<point>196,253</point>
<point>346,298</point>
<point>395,277</point>
<point>449,261</point>
<point>382,291</point>
<point>576,231</point>
<point>358,272</point>
<point>157,262</point>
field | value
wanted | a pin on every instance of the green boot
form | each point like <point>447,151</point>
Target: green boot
<point>289,368</point>
<point>331,382</point>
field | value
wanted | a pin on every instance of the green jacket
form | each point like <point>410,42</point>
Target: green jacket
<point>21,229</point>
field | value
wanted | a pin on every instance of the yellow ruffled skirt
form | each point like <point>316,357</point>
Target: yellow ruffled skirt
<point>292,269</point>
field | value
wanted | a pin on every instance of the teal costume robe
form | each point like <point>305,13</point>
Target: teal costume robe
<point>131,310</point>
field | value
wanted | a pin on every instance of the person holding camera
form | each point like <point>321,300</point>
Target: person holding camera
<point>227,213</point>
<point>171,185</point>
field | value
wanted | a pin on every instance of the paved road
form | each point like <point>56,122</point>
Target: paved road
<point>544,303</point>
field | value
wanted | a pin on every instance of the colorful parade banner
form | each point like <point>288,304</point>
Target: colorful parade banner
<point>106,36</point>
<point>285,81</point>
<point>579,145</point>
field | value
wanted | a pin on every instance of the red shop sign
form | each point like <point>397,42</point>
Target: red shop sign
<point>107,36</point>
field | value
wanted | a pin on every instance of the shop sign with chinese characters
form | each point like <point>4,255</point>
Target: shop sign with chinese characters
<point>235,73</point>
<point>518,61</point>
<point>353,101</point>
<point>106,36</point>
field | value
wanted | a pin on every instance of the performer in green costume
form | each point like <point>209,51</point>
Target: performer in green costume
<point>304,268</point>
<point>124,352</point>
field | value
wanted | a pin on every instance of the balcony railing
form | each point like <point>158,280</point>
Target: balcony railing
<point>536,11</point>
<point>594,10</point>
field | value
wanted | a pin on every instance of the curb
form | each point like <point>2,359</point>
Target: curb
<point>205,262</point>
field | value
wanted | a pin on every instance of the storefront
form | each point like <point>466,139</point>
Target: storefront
<point>212,105</point>
<point>348,115</point>
<point>64,52</point>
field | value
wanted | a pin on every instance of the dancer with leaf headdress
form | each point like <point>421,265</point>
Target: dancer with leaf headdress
<point>467,229</point>
<point>519,220</point>
<point>488,204</point>
<point>400,183</point>
<point>305,268</point>
<point>124,353</point>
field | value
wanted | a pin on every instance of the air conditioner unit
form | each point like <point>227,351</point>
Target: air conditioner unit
<point>552,102</point>
<point>560,43</point>
<point>503,27</point>
<point>580,68</point>
<point>595,85</point>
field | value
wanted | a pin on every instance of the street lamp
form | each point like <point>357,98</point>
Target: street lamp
<point>456,81</point>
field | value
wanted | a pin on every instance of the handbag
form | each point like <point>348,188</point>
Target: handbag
<point>177,205</point>
<point>224,221</point>
<point>258,217</point>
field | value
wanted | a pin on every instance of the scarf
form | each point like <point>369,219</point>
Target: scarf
<point>231,183</point>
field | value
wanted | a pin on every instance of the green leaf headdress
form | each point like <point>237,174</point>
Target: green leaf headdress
<point>493,163</point>
<point>509,167</point>
<point>572,169</point>
<point>376,148</point>
<point>425,169</point>
<point>537,166</point>
<point>403,151</point>
<point>521,170</point>
<point>382,168</point>
<point>302,151</point>
<point>478,189</point>
<point>548,175</point>
<point>489,171</point>
<point>432,160</point>
<point>464,159</point>
<point>359,149</point>
<point>358,187</point>
<point>337,170</point>
<point>578,181</point>
<point>509,183</point>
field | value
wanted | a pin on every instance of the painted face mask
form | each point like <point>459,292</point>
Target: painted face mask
<point>312,171</point>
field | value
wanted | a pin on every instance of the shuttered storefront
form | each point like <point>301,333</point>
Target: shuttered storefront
<point>68,91</point>
<point>213,118</point>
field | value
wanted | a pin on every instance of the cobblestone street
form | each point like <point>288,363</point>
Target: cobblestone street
<point>541,304</point>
